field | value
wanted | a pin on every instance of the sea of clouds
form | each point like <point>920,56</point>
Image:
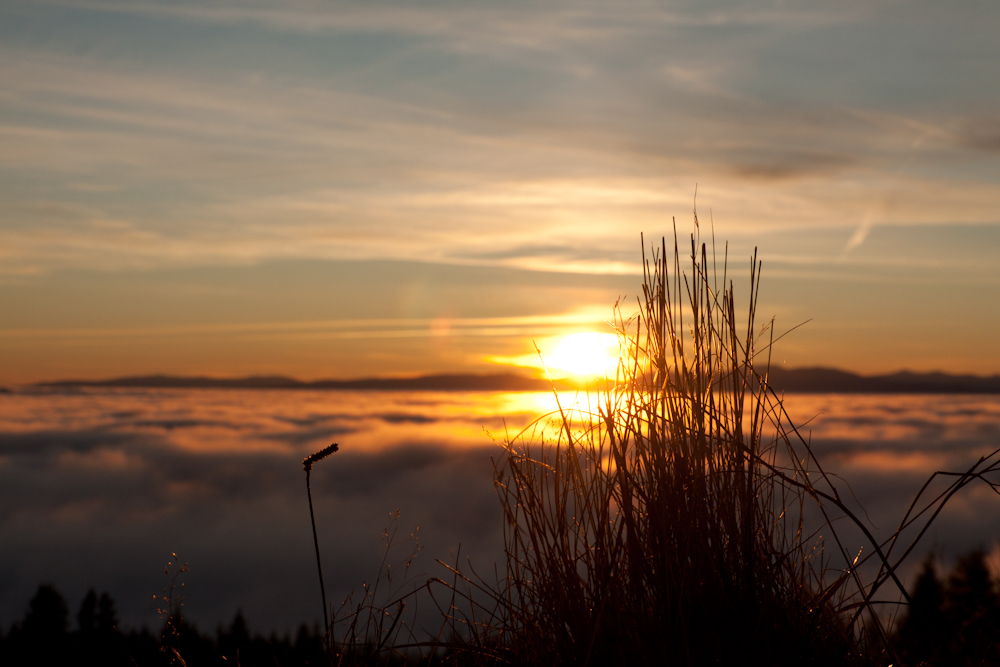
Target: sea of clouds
<point>99,487</point>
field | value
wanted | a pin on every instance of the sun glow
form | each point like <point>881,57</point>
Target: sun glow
<point>582,354</point>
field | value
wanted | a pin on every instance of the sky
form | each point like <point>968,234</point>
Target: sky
<point>371,189</point>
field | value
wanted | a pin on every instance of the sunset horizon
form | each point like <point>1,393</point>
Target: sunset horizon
<point>351,191</point>
<point>293,294</point>
<point>433,318</point>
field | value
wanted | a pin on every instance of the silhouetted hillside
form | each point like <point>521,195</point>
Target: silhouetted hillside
<point>792,380</point>
<point>444,382</point>
<point>830,380</point>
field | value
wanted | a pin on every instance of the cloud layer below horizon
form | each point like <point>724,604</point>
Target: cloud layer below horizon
<point>98,487</point>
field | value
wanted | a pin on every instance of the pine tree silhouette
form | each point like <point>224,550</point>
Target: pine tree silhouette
<point>107,615</point>
<point>43,639</point>
<point>86,618</point>
<point>48,615</point>
<point>973,608</point>
<point>923,634</point>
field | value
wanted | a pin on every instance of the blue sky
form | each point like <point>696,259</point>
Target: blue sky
<point>220,187</point>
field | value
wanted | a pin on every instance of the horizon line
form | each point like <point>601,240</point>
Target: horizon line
<point>807,379</point>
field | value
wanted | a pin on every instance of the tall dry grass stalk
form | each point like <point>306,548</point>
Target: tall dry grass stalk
<point>679,518</point>
<point>658,525</point>
<point>307,465</point>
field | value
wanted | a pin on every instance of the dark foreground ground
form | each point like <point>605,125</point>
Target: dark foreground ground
<point>43,637</point>
<point>954,621</point>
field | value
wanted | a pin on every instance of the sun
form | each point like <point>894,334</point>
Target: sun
<point>582,354</point>
<point>586,355</point>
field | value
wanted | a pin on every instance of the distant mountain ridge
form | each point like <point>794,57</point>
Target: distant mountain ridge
<point>438,382</point>
<point>791,380</point>
<point>834,381</point>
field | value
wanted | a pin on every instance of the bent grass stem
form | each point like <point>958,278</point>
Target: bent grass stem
<point>307,463</point>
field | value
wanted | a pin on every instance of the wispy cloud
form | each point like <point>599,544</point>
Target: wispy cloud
<point>141,137</point>
<point>517,23</point>
<point>859,236</point>
<point>335,329</point>
<point>444,132</point>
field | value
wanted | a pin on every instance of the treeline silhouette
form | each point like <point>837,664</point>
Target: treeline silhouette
<point>954,621</point>
<point>44,637</point>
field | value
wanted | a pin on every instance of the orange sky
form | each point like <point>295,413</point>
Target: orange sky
<point>367,190</point>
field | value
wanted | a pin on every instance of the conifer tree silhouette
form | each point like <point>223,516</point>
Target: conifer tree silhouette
<point>107,615</point>
<point>86,618</point>
<point>43,633</point>
<point>922,634</point>
<point>48,615</point>
<point>973,606</point>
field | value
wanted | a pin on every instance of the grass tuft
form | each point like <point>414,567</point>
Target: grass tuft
<point>664,522</point>
<point>676,515</point>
